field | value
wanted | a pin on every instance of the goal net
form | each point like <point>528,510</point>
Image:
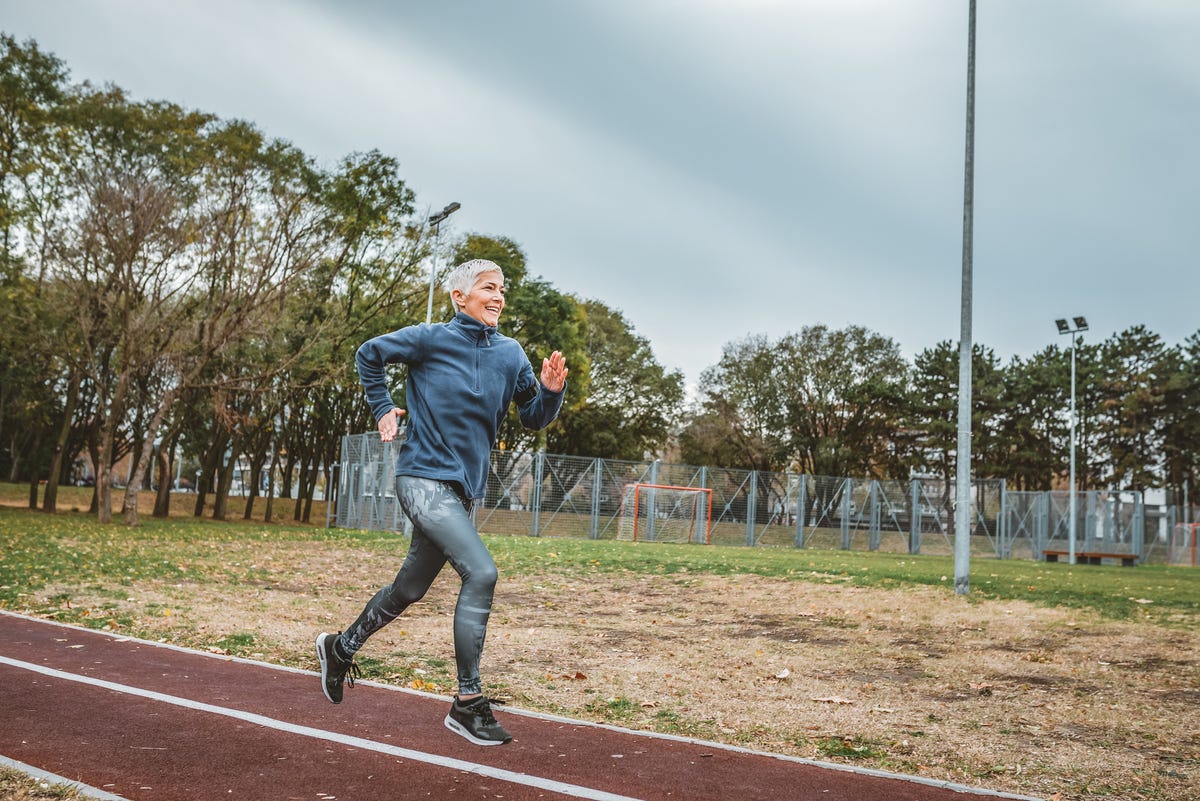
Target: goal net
<point>1183,544</point>
<point>662,513</point>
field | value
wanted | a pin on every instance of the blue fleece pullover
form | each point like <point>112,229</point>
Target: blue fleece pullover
<point>461,377</point>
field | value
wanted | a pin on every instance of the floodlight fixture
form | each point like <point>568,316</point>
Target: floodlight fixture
<point>1063,326</point>
<point>436,221</point>
<point>1080,323</point>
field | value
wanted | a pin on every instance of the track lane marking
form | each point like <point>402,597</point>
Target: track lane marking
<point>539,782</point>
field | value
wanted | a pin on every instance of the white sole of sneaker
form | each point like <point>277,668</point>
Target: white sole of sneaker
<point>461,730</point>
<point>324,665</point>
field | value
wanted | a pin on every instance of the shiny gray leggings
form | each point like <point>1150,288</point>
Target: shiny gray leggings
<point>442,531</point>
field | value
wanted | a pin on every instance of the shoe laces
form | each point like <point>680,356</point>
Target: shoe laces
<point>351,673</point>
<point>348,668</point>
<point>483,707</point>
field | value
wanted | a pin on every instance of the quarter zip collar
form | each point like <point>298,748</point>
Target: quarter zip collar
<point>475,330</point>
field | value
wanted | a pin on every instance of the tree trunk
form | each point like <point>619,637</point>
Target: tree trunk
<point>313,475</point>
<point>104,477</point>
<point>94,452</point>
<point>208,470</point>
<point>108,432</point>
<point>33,470</point>
<point>256,467</point>
<point>269,514</point>
<point>166,458</point>
<point>145,453</point>
<point>301,492</point>
<point>50,499</point>
<point>224,481</point>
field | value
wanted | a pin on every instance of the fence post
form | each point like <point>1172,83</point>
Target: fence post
<point>1089,528</point>
<point>1041,534</point>
<point>1002,525</point>
<point>597,488</point>
<point>331,492</point>
<point>652,505</point>
<point>914,524</point>
<point>1139,526</point>
<point>751,507</point>
<point>873,499</point>
<point>847,503</point>
<point>801,502</point>
<point>535,496</point>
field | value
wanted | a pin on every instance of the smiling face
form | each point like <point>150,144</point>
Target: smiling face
<point>485,300</point>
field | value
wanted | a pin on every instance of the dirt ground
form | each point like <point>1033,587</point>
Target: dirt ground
<point>1053,703</point>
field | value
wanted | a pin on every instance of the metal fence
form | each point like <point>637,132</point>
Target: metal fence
<point>548,495</point>
<point>365,490</point>
<point>1107,522</point>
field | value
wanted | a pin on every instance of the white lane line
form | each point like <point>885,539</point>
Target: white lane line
<point>85,790</point>
<point>541,783</point>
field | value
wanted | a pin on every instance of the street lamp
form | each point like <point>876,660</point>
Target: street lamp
<point>436,220</point>
<point>1080,324</point>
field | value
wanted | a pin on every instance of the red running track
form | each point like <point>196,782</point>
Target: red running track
<point>140,720</point>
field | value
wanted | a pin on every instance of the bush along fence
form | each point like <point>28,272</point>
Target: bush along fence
<point>546,495</point>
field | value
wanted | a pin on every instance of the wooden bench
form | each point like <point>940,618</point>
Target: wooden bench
<point>1092,557</point>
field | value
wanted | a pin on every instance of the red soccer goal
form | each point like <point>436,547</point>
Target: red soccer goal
<point>664,513</point>
<point>1183,549</point>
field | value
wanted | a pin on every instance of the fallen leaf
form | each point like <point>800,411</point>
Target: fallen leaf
<point>783,674</point>
<point>833,699</point>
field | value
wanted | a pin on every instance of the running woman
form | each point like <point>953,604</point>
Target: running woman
<point>462,376</point>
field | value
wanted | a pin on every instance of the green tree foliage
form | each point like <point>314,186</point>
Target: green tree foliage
<point>844,393</point>
<point>1032,422</point>
<point>631,403</point>
<point>1136,371</point>
<point>819,401</point>
<point>33,85</point>
<point>1180,420</point>
<point>932,421</point>
<point>740,419</point>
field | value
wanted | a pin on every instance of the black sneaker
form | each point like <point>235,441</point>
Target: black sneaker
<point>474,720</point>
<point>334,669</point>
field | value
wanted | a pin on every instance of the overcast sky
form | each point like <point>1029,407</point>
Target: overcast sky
<point>720,168</point>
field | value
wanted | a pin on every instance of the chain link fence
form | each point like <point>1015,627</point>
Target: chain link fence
<point>1107,522</point>
<point>547,495</point>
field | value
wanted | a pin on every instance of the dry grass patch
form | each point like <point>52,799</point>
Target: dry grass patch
<point>18,786</point>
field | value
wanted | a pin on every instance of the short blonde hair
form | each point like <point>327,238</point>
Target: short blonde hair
<point>463,276</point>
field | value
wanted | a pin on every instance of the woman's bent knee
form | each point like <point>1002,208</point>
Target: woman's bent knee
<point>483,576</point>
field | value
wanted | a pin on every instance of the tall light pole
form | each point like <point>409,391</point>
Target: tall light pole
<point>436,220</point>
<point>1065,328</point>
<point>962,487</point>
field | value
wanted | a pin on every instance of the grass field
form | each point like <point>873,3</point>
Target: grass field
<point>1047,678</point>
